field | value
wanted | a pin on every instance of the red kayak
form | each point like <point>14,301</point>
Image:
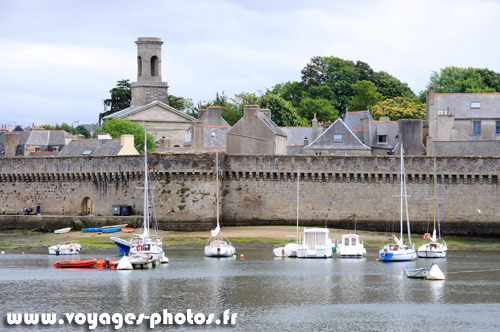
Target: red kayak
<point>79,263</point>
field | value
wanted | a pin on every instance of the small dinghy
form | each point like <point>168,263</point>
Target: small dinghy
<point>114,226</point>
<point>111,230</point>
<point>434,273</point>
<point>62,230</point>
<point>91,230</point>
<point>128,230</point>
<point>76,263</point>
<point>65,248</point>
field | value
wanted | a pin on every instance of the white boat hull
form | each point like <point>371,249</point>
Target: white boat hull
<point>401,254</point>
<point>288,250</point>
<point>65,249</point>
<point>62,230</point>
<point>432,250</point>
<point>326,252</point>
<point>222,251</point>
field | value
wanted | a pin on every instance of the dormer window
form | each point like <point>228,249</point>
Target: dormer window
<point>475,105</point>
<point>382,138</point>
<point>337,138</point>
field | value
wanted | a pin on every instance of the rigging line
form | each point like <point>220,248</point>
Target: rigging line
<point>473,271</point>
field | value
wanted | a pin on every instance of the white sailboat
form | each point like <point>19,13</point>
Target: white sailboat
<point>218,245</point>
<point>398,250</point>
<point>65,248</point>
<point>146,246</point>
<point>290,249</point>
<point>437,247</point>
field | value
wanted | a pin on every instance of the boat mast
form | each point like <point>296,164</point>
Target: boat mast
<point>406,197</point>
<point>435,191</point>
<point>146,200</point>
<point>401,192</point>
<point>217,184</point>
<point>298,179</point>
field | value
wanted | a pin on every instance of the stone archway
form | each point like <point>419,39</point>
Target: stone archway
<point>87,206</point>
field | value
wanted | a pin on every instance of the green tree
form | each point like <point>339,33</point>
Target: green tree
<point>121,95</point>
<point>365,96</point>
<point>64,126</point>
<point>232,110</point>
<point>282,111</point>
<point>459,80</point>
<point>118,127</point>
<point>179,103</point>
<point>322,107</point>
<point>399,108</point>
<point>291,91</point>
<point>81,130</point>
<point>391,87</point>
<point>47,127</point>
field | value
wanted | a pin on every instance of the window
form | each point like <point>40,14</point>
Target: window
<point>87,152</point>
<point>353,241</point>
<point>476,128</point>
<point>382,138</point>
<point>346,241</point>
<point>497,128</point>
<point>154,65</point>
<point>337,138</point>
<point>37,149</point>
<point>318,153</point>
<point>475,104</point>
<point>139,66</point>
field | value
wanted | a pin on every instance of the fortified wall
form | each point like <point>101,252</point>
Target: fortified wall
<point>346,192</point>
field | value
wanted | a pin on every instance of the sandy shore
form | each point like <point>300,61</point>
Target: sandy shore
<point>242,237</point>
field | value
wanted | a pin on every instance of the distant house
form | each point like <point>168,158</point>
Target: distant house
<point>255,133</point>
<point>122,146</point>
<point>337,140</point>
<point>298,137</point>
<point>26,143</point>
<point>463,124</point>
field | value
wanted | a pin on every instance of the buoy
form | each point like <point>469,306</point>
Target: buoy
<point>3,252</point>
<point>435,273</point>
<point>377,259</point>
<point>124,264</point>
<point>242,256</point>
<point>234,256</point>
<point>101,263</point>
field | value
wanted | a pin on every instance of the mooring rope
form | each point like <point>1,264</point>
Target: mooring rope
<point>473,271</point>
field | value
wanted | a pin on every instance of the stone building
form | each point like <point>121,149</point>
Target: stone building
<point>149,104</point>
<point>27,143</point>
<point>123,146</point>
<point>255,133</point>
<point>463,124</point>
<point>337,140</point>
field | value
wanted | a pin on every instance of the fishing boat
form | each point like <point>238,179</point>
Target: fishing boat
<point>398,250</point>
<point>148,244</point>
<point>62,230</point>
<point>290,249</point>
<point>437,247</point>
<point>76,263</point>
<point>91,230</point>
<point>350,247</point>
<point>65,248</point>
<point>218,245</point>
<point>316,244</point>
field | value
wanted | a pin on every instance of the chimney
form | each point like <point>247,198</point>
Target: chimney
<point>11,143</point>
<point>365,126</point>
<point>326,125</point>
<point>127,143</point>
<point>306,141</point>
<point>314,128</point>
<point>384,119</point>
<point>267,112</point>
<point>250,110</point>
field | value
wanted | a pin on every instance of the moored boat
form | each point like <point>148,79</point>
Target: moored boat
<point>76,263</point>
<point>91,230</point>
<point>316,244</point>
<point>62,230</point>
<point>111,230</point>
<point>350,247</point>
<point>65,248</point>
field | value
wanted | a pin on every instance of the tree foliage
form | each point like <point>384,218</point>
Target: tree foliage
<point>181,104</point>
<point>118,127</point>
<point>365,96</point>
<point>390,87</point>
<point>399,108</point>
<point>121,95</point>
<point>322,107</point>
<point>282,111</point>
<point>464,80</point>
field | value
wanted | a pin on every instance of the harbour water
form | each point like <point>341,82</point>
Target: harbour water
<point>267,293</point>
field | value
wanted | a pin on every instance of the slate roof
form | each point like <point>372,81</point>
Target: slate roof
<point>352,119</point>
<point>325,140</point>
<point>460,105</point>
<point>389,128</point>
<point>46,140</point>
<point>134,109</point>
<point>270,124</point>
<point>97,147</point>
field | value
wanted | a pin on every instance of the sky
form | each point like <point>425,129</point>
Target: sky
<point>59,58</point>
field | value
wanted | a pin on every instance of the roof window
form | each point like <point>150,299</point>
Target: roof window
<point>87,152</point>
<point>475,104</point>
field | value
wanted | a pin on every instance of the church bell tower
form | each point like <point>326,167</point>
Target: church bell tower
<point>149,86</point>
